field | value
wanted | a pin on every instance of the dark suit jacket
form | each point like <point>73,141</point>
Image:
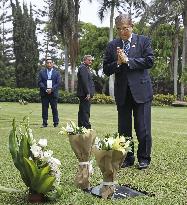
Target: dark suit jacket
<point>42,82</point>
<point>85,82</point>
<point>135,73</point>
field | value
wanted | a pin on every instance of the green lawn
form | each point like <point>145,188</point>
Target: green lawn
<point>166,177</point>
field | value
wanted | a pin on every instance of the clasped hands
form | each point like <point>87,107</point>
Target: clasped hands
<point>122,58</point>
<point>88,97</point>
<point>49,91</point>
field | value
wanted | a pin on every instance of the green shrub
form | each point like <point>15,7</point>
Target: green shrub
<point>65,97</point>
<point>102,99</point>
<point>162,100</point>
<point>32,95</point>
<point>185,98</point>
<point>15,94</point>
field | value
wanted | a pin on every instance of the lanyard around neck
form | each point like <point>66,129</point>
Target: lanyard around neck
<point>49,73</point>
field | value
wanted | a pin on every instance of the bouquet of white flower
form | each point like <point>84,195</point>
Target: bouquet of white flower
<point>39,170</point>
<point>110,153</point>
<point>81,141</point>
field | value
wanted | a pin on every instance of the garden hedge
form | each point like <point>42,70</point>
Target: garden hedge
<point>32,96</point>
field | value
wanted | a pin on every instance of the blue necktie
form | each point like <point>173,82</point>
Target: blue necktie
<point>126,47</point>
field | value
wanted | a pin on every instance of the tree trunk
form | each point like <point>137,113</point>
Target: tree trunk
<point>47,47</point>
<point>183,63</point>
<point>3,30</point>
<point>184,54</point>
<point>66,68</point>
<point>111,78</point>
<point>73,77</point>
<point>75,47</point>
<point>176,56</point>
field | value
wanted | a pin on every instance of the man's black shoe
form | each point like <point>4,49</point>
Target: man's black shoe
<point>127,164</point>
<point>143,165</point>
<point>43,126</point>
<point>55,125</point>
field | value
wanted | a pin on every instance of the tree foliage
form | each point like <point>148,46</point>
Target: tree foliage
<point>93,41</point>
<point>65,20</point>
<point>169,12</point>
<point>7,74</point>
<point>162,44</point>
<point>5,33</point>
<point>25,45</point>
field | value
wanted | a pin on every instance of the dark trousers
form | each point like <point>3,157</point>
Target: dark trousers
<point>84,113</point>
<point>142,125</point>
<point>45,106</point>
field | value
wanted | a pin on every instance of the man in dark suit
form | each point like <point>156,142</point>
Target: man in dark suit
<point>49,81</point>
<point>85,91</point>
<point>130,57</point>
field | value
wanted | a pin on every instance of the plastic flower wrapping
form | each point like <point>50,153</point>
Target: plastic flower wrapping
<point>39,169</point>
<point>81,141</point>
<point>73,129</point>
<point>110,152</point>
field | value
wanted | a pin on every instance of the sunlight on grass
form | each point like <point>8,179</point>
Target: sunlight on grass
<point>166,177</point>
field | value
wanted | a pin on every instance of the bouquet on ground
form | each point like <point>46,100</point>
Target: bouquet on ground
<point>81,141</point>
<point>39,170</point>
<point>110,153</point>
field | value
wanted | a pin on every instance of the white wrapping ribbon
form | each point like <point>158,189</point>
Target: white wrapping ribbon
<point>108,183</point>
<point>90,167</point>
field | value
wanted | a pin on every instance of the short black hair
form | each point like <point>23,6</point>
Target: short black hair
<point>48,58</point>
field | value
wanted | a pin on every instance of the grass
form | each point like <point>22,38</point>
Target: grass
<point>166,177</point>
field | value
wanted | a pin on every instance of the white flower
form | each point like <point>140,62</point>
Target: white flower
<point>127,144</point>
<point>57,174</point>
<point>110,141</point>
<point>48,154</point>
<point>42,142</point>
<point>56,161</point>
<point>84,130</point>
<point>36,150</point>
<point>33,141</point>
<point>54,164</point>
<point>41,155</point>
<point>97,142</point>
<point>30,134</point>
<point>69,128</point>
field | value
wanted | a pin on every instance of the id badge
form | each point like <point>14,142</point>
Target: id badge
<point>49,84</point>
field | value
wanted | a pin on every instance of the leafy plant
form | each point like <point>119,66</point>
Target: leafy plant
<point>183,78</point>
<point>38,169</point>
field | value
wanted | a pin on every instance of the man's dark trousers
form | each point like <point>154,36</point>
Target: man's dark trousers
<point>84,113</point>
<point>46,100</point>
<point>142,125</point>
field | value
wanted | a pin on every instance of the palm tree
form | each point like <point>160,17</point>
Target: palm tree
<point>64,18</point>
<point>127,6</point>
<point>64,15</point>
<point>184,55</point>
<point>104,7</point>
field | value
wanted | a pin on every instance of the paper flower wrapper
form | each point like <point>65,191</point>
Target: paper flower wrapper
<point>82,145</point>
<point>109,162</point>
